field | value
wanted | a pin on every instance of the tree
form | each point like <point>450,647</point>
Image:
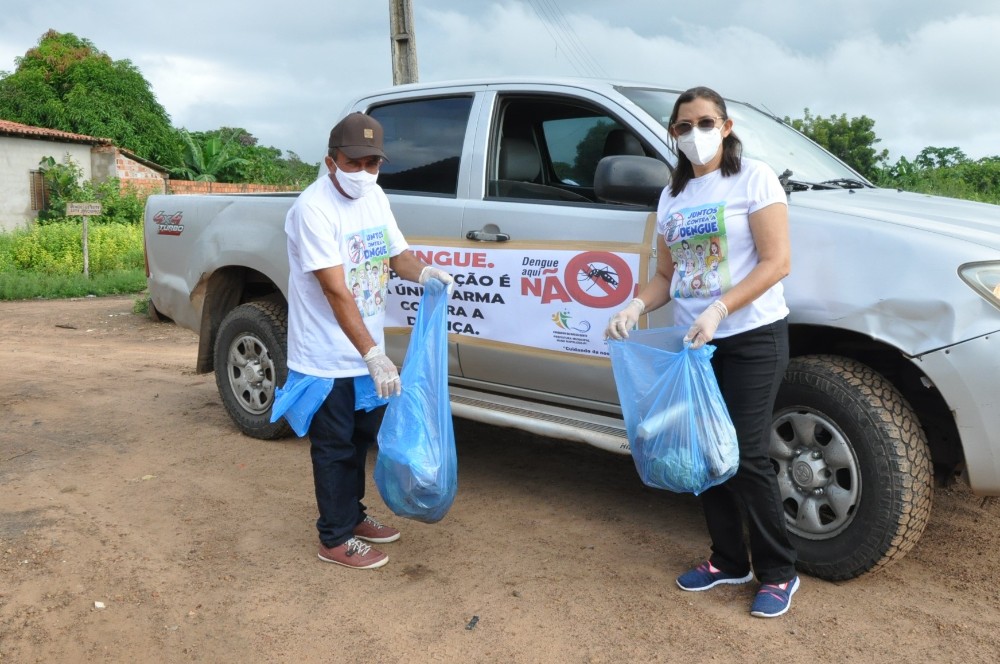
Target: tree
<point>62,185</point>
<point>253,162</point>
<point>947,172</point>
<point>931,157</point>
<point>205,157</point>
<point>66,83</point>
<point>853,141</point>
<point>232,154</point>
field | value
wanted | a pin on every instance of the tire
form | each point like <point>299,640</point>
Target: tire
<point>250,362</point>
<point>853,467</point>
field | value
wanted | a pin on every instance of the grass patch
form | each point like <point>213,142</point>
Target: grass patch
<point>46,261</point>
<point>28,285</point>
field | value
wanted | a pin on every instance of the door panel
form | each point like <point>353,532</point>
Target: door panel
<point>559,262</point>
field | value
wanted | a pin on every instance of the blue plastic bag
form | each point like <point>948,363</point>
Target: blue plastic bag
<point>301,396</point>
<point>416,470</point>
<point>679,428</point>
<point>299,399</point>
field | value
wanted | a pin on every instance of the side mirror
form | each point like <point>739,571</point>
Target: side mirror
<point>631,180</point>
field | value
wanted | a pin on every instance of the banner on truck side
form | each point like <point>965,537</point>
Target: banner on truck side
<point>554,300</point>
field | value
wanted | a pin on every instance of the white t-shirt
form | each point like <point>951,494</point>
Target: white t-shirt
<point>707,228</point>
<point>326,229</point>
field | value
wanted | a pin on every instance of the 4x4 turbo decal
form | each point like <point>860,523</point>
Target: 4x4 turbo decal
<point>168,225</point>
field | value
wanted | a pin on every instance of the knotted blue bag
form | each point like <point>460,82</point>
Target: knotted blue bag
<point>678,426</point>
<point>416,470</point>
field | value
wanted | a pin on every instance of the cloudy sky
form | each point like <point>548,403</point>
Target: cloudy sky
<point>927,71</point>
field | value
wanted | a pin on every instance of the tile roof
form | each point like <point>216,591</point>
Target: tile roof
<point>8,128</point>
<point>16,129</point>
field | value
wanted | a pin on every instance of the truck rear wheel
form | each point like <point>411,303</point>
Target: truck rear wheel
<point>853,467</point>
<point>250,363</point>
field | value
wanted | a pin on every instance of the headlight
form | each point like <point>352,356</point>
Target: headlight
<point>984,279</point>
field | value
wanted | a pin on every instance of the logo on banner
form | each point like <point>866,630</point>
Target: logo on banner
<point>562,320</point>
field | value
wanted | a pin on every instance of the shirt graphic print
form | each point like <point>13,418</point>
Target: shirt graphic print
<point>367,269</point>
<point>697,240</point>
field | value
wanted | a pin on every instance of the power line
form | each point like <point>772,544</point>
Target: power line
<point>565,37</point>
<point>594,64</point>
<point>570,49</point>
<point>555,39</point>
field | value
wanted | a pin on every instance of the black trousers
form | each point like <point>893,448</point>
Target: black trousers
<point>749,368</point>
<point>340,437</point>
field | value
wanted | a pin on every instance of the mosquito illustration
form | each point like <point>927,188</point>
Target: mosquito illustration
<point>595,274</point>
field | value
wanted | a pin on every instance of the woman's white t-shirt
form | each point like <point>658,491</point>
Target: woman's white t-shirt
<point>326,229</point>
<point>707,228</point>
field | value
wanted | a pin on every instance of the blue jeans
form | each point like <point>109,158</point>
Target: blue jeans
<point>749,368</point>
<point>339,438</point>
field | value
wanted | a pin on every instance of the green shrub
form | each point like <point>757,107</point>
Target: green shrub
<point>46,259</point>
<point>6,252</point>
<point>65,184</point>
<point>57,248</point>
<point>117,206</point>
<point>115,246</point>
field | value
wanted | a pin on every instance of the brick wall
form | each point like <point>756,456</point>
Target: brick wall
<point>131,173</point>
<point>192,187</point>
<point>148,180</point>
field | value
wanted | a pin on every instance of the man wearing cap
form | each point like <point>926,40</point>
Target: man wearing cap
<point>339,377</point>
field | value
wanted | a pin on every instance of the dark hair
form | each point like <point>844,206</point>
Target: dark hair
<point>732,147</point>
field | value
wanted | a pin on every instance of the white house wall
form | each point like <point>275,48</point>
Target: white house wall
<point>20,156</point>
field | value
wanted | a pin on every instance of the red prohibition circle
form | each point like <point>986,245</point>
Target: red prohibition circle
<point>599,279</point>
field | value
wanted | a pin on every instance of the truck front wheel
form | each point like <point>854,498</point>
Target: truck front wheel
<point>250,363</point>
<point>853,467</point>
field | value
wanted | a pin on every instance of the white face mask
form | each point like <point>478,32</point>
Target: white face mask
<point>699,145</point>
<point>356,185</point>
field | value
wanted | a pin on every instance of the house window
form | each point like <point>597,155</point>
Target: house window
<point>39,192</point>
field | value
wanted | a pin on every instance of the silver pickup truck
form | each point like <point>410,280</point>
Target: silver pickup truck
<point>538,195</point>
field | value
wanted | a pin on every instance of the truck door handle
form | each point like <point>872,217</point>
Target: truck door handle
<point>489,233</point>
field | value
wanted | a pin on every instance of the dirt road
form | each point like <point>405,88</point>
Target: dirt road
<point>123,482</point>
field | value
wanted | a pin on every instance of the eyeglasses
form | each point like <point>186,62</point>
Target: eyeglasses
<point>705,123</point>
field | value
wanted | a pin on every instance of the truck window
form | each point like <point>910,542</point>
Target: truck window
<point>548,149</point>
<point>423,140</point>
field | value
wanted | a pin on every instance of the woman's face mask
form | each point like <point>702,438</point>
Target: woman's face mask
<point>356,185</point>
<point>700,145</point>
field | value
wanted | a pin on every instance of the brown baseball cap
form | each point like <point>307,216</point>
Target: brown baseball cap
<point>358,135</point>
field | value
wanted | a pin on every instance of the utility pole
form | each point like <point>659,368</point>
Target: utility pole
<point>404,42</point>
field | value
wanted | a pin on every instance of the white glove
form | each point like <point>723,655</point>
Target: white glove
<point>705,325</point>
<point>383,372</point>
<point>625,320</point>
<point>430,272</point>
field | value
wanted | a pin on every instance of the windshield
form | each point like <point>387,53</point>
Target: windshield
<point>763,137</point>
